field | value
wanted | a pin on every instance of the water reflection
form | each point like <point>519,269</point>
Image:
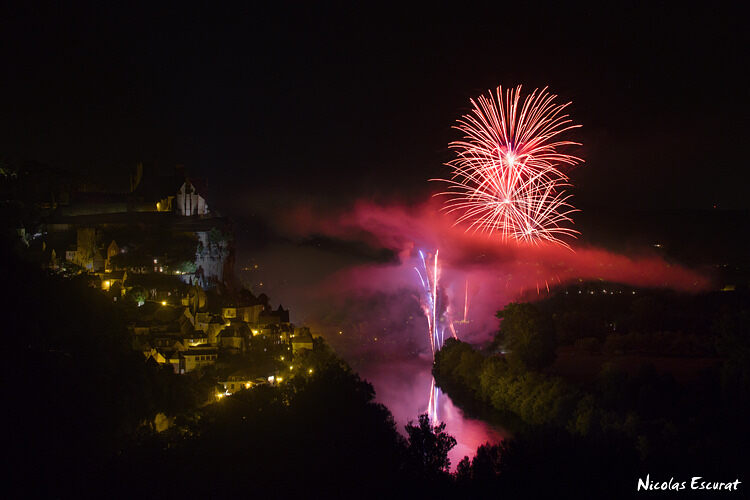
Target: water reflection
<point>404,387</point>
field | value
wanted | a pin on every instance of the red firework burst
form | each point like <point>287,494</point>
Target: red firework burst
<point>509,175</point>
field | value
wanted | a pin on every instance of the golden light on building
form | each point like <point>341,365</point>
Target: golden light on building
<point>164,302</point>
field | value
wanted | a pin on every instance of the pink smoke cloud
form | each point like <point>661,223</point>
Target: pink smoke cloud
<point>370,311</point>
<point>497,272</point>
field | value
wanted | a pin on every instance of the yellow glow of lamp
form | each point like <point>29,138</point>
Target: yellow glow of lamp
<point>164,302</point>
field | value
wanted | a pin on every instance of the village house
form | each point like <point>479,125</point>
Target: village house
<point>302,341</point>
<point>194,339</point>
<point>168,342</point>
<point>229,312</point>
<point>156,355</point>
<point>201,321</point>
<point>246,313</point>
<point>114,280</point>
<point>278,317</point>
<point>197,357</point>
<point>112,250</point>
<point>234,337</point>
<point>215,326</point>
<point>240,380</point>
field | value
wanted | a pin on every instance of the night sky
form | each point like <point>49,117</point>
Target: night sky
<point>316,130</point>
<point>297,102</point>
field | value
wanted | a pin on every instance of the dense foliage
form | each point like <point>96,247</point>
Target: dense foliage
<point>90,414</point>
<point>641,419</point>
<point>614,319</point>
<point>173,250</point>
<point>529,335</point>
<point>78,391</point>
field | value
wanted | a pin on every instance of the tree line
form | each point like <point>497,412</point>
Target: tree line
<point>633,420</point>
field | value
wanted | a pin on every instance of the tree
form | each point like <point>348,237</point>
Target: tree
<point>264,301</point>
<point>529,335</point>
<point>493,368</point>
<point>137,295</point>
<point>463,472</point>
<point>485,468</point>
<point>733,342</point>
<point>429,446</point>
<point>72,347</point>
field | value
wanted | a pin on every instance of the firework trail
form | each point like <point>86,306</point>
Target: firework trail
<point>509,175</point>
<point>432,405</point>
<point>436,312</point>
<point>466,301</point>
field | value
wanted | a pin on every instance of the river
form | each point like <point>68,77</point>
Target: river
<point>383,338</point>
<point>403,385</point>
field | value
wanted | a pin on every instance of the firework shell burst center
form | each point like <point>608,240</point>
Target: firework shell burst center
<point>509,177</point>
